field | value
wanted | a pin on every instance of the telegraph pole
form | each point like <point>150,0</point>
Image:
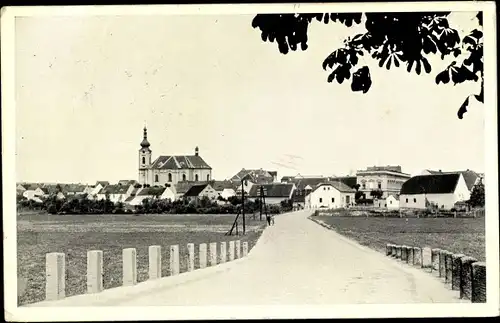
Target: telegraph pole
<point>243,204</point>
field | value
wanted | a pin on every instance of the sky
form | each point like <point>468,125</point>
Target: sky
<point>86,86</point>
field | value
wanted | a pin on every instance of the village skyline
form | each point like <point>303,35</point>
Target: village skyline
<point>239,117</point>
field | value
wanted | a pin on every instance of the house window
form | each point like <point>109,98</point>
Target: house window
<point>363,185</point>
<point>414,200</point>
<point>196,177</point>
<point>406,200</point>
<point>156,178</point>
<point>320,200</point>
<point>347,199</point>
<point>208,177</point>
<point>390,202</point>
<point>143,160</point>
<point>183,177</point>
<point>324,188</point>
<point>169,177</point>
<point>379,185</point>
<point>333,200</point>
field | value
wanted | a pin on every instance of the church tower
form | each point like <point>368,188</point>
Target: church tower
<point>144,159</point>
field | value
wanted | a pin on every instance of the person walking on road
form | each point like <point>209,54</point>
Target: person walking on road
<point>268,219</point>
<point>272,219</point>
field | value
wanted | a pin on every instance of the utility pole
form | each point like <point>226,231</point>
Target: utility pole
<point>243,204</point>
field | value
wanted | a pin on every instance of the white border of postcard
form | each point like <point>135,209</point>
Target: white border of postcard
<point>14,313</point>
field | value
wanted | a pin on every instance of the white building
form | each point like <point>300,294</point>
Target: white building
<point>392,202</point>
<point>274,193</point>
<point>116,193</point>
<point>331,195</point>
<point>171,169</point>
<point>440,190</point>
<point>197,192</point>
<point>160,193</point>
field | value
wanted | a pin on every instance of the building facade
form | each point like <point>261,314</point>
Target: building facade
<point>387,179</point>
<point>331,195</point>
<point>170,169</point>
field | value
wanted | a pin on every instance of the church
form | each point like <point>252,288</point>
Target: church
<point>170,169</point>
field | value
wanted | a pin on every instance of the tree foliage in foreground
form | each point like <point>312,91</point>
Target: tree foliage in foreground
<point>395,40</point>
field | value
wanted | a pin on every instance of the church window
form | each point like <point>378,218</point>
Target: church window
<point>156,178</point>
<point>196,177</point>
<point>208,177</point>
<point>143,160</point>
<point>169,177</point>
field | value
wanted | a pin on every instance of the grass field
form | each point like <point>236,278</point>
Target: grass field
<point>76,234</point>
<point>458,235</point>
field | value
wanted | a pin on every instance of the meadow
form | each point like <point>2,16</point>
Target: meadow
<point>458,235</point>
<point>74,235</point>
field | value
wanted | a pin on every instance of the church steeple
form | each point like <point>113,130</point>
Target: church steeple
<point>145,142</point>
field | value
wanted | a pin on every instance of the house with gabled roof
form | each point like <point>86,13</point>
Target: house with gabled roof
<point>197,192</point>
<point>274,193</point>
<point>330,195</point>
<point>225,189</point>
<point>471,177</point>
<point>116,192</point>
<point>252,177</point>
<point>73,189</point>
<point>171,169</point>
<point>151,193</point>
<point>128,182</point>
<point>441,190</point>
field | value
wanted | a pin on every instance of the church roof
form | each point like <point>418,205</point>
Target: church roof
<point>180,162</point>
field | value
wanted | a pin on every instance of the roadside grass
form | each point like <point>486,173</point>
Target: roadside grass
<point>458,235</point>
<point>75,235</point>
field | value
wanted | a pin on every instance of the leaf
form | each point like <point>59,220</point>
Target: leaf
<point>427,66</point>
<point>480,96</point>
<point>388,66</point>
<point>409,66</point>
<point>361,80</point>
<point>418,68</point>
<point>476,34</point>
<point>444,77</point>
<point>463,108</point>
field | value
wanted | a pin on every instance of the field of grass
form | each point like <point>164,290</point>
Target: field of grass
<point>458,235</point>
<point>76,234</point>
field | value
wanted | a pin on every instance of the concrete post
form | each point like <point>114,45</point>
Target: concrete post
<point>129,266</point>
<point>427,257</point>
<point>466,277</point>
<point>174,260</point>
<point>398,251</point>
<point>55,276</point>
<point>223,252</point>
<point>231,250</point>
<point>203,255</point>
<point>238,249</point>
<point>388,248</point>
<point>154,262</point>
<point>94,271</point>
<point>190,257</point>
<point>245,248</point>
<point>213,254</point>
<point>448,264</point>
<point>435,259</point>
<point>410,255</point>
<point>456,271</point>
<point>478,282</point>
<point>417,256</point>
<point>404,253</point>
<point>393,251</point>
<point>442,268</point>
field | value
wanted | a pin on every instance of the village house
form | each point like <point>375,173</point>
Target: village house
<point>224,189</point>
<point>171,169</point>
<point>197,192</point>
<point>304,185</point>
<point>471,178</point>
<point>250,177</point>
<point>151,193</point>
<point>392,202</point>
<point>274,193</point>
<point>116,193</point>
<point>440,190</point>
<point>73,189</point>
<point>385,179</point>
<point>128,182</point>
<point>330,195</point>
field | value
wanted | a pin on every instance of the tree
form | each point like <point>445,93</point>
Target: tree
<point>392,39</point>
<point>376,193</point>
<point>477,195</point>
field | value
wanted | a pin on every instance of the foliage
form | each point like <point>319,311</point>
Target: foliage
<point>392,39</point>
<point>376,193</point>
<point>477,196</point>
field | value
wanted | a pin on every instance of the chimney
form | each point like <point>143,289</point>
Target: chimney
<point>196,151</point>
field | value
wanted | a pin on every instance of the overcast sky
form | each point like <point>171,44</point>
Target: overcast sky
<point>87,85</point>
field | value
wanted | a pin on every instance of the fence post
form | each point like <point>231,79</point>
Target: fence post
<point>427,258</point>
<point>417,256</point>
<point>404,253</point>
<point>410,255</point>
<point>398,251</point>
<point>223,252</point>
<point>231,250</point>
<point>94,271</point>
<point>393,251</point>
<point>435,259</point>
<point>442,264</point>
<point>466,277</point>
<point>154,262</point>
<point>448,264</point>
<point>190,257</point>
<point>245,248</point>
<point>213,253</point>
<point>456,271</point>
<point>388,249</point>
<point>129,266</point>
<point>55,276</point>
<point>174,260</point>
<point>478,282</point>
<point>238,249</point>
<point>203,255</point>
